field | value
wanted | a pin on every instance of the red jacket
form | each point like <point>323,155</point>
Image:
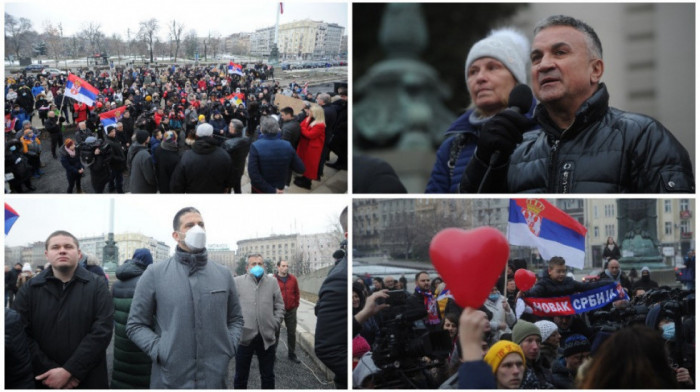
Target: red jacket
<point>290,291</point>
<point>310,146</point>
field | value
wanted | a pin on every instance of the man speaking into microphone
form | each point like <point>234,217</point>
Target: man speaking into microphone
<point>584,145</point>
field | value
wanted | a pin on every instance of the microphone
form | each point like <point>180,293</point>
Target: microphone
<point>519,101</point>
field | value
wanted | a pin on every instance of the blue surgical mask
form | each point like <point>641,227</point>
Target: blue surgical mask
<point>669,331</point>
<point>493,297</point>
<point>257,271</point>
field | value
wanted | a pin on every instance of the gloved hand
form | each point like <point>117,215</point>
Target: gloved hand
<point>502,133</point>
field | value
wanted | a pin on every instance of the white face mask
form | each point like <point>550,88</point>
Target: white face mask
<point>196,238</point>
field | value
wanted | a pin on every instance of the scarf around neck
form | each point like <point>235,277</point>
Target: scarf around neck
<point>195,261</point>
<point>431,307</point>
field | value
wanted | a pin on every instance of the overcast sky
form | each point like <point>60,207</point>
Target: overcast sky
<point>227,219</point>
<point>223,17</point>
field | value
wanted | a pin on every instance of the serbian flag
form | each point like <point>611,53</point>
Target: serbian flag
<point>81,90</point>
<point>11,217</point>
<point>235,69</point>
<point>535,222</point>
<point>112,117</point>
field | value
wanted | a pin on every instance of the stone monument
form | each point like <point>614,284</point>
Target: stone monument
<point>638,239</point>
<point>400,116</point>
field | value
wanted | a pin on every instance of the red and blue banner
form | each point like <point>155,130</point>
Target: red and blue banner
<point>81,90</point>
<point>111,118</point>
<point>235,69</point>
<point>577,303</point>
<point>537,223</point>
<point>11,217</point>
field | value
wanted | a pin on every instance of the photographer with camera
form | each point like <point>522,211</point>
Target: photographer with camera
<point>96,154</point>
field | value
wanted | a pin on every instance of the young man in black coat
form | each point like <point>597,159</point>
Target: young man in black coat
<point>67,313</point>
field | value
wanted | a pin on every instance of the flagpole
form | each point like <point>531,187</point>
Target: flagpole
<point>60,110</point>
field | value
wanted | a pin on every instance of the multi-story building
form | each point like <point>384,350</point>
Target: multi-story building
<point>299,40</point>
<point>222,254</point>
<point>261,41</point>
<point>129,242</point>
<point>314,250</point>
<point>238,43</point>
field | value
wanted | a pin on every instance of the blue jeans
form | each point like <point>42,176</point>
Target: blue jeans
<point>266,362</point>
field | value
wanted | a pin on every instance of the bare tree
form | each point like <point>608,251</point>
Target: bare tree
<point>215,43</point>
<point>206,42</point>
<point>94,36</point>
<point>147,33</point>
<point>15,32</point>
<point>175,35</point>
<point>53,40</point>
<point>190,44</point>
<point>116,45</point>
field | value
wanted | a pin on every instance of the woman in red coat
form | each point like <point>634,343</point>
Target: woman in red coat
<point>313,135</point>
<point>81,110</point>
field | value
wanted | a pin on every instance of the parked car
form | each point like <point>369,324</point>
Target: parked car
<point>35,67</point>
<point>52,72</point>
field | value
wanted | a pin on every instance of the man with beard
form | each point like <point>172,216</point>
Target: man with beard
<point>67,313</point>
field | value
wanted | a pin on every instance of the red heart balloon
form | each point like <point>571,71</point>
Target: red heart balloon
<point>469,261</point>
<point>525,279</point>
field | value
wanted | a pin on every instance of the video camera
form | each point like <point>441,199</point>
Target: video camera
<point>405,351</point>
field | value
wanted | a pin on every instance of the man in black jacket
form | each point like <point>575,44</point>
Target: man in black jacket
<point>53,127</point>
<point>206,168</point>
<point>331,318</point>
<point>67,312</point>
<point>584,146</point>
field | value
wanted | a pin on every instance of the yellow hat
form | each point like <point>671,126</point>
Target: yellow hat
<point>201,117</point>
<point>500,350</point>
<point>148,98</point>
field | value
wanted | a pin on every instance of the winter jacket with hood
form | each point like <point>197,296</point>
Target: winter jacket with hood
<point>142,174</point>
<point>132,367</point>
<point>206,168</point>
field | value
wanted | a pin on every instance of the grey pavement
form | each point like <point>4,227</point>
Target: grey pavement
<point>54,178</point>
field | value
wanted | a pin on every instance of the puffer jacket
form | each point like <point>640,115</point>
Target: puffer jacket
<point>132,367</point>
<point>547,287</point>
<point>605,150</point>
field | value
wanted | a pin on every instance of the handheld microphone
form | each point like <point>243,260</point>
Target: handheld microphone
<point>519,101</point>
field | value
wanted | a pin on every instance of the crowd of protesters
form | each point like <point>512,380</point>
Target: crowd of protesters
<point>507,345</point>
<point>195,117</point>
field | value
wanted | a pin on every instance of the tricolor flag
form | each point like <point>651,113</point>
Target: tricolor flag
<point>81,90</point>
<point>537,223</point>
<point>11,217</point>
<point>112,117</point>
<point>235,99</point>
<point>235,69</point>
<point>238,99</point>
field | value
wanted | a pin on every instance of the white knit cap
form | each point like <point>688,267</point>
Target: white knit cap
<point>204,130</point>
<point>547,328</point>
<point>507,46</point>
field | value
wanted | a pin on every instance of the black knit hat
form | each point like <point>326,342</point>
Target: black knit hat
<point>575,344</point>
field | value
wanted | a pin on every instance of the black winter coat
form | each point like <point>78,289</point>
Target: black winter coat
<point>331,327</point>
<point>206,168</point>
<point>18,360</point>
<point>547,287</point>
<point>562,378</point>
<point>132,367</point>
<point>238,149</point>
<point>69,328</point>
<point>605,150</point>
<point>167,158</point>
